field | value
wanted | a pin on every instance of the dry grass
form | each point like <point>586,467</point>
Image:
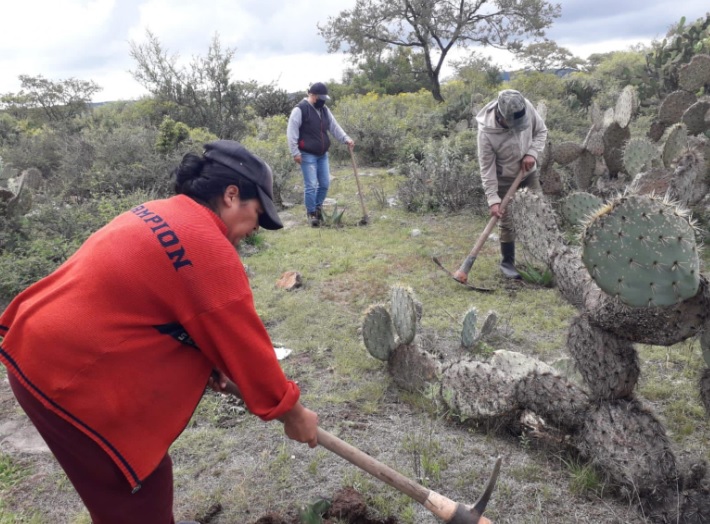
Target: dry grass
<point>250,468</point>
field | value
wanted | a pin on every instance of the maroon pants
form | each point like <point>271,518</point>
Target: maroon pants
<point>102,487</point>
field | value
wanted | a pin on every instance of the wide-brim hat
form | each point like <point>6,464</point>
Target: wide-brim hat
<point>238,158</point>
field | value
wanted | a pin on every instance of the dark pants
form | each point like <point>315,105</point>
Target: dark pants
<point>102,487</point>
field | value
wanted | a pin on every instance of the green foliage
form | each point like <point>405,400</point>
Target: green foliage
<point>333,218</point>
<point>269,143</point>
<point>584,479</point>
<point>35,245</point>
<point>200,95</point>
<point>682,42</point>
<point>432,29</point>
<point>536,276</point>
<point>616,70</point>
<point>381,124</point>
<point>270,100</point>
<point>11,472</point>
<point>388,73</point>
<point>314,513</point>
<point>546,55</point>
<point>539,86</point>
<point>51,102</point>
<point>444,179</point>
<point>40,148</point>
<point>581,88</point>
<point>170,135</point>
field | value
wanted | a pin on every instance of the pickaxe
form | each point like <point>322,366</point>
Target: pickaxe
<point>461,274</point>
<point>446,509</point>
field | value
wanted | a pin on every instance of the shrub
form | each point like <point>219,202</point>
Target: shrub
<point>380,125</point>
<point>443,181</point>
<point>271,145</point>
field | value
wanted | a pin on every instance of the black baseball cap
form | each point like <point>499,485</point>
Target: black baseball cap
<point>238,158</point>
<point>320,89</point>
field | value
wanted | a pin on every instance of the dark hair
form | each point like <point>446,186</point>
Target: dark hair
<point>205,181</point>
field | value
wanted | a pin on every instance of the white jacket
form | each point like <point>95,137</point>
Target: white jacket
<point>501,150</point>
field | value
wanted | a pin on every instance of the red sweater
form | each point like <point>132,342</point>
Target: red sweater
<point>103,340</point>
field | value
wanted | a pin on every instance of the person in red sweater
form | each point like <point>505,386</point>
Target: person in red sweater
<point>110,354</point>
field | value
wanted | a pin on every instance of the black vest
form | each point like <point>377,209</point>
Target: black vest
<point>313,133</point>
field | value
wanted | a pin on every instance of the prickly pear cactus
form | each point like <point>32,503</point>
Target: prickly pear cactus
<point>470,335</point>
<point>694,117</point>
<point>695,74</point>
<point>469,332</point>
<point>583,169</point>
<point>674,105</point>
<point>404,313</point>
<point>626,106</point>
<point>614,137</point>
<point>676,142</point>
<point>566,152</point>
<point>578,206</point>
<point>489,325</point>
<point>377,332</point>
<point>642,250</point>
<point>639,153</point>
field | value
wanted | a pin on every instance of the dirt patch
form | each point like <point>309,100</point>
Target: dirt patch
<point>348,506</point>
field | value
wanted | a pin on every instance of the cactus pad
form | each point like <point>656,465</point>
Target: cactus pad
<point>377,332</point>
<point>577,207</point>
<point>489,324</point>
<point>639,153</point>
<point>695,74</point>
<point>596,115</point>
<point>584,169</point>
<point>404,313</point>
<point>594,141</point>
<point>614,137</point>
<point>642,250</point>
<point>674,105</point>
<point>626,106</point>
<point>469,335</point>
<point>655,132</point>
<point>697,117</point>
<point>705,343</point>
<point>566,152</point>
<point>676,142</point>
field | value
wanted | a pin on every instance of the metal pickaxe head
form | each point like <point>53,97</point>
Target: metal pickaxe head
<point>474,514</point>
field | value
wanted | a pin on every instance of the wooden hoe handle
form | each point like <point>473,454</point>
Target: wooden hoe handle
<point>471,258</point>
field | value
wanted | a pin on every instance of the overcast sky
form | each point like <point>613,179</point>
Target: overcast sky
<point>276,40</point>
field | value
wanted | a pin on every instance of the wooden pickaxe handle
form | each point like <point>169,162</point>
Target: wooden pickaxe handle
<point>446,509</point>
<point>466,265</point>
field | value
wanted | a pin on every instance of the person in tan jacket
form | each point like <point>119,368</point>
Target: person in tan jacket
<point>511,135</point>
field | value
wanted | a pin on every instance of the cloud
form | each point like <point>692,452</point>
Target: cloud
<point>275,40</point>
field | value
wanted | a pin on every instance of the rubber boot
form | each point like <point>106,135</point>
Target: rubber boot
<point>507,265</point>
<point>319,213</point>
<point>313,219</point>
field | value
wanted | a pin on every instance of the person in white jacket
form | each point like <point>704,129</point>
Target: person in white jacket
<point>511,135</point>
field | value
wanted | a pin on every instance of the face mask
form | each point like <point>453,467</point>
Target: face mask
<point>319,103</point>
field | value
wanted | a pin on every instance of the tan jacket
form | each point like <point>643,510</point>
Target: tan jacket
<point>501,150</point>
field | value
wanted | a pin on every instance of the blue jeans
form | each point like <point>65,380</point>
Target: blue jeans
<point>316,179</point>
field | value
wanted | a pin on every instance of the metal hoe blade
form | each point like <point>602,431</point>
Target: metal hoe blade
<point>470,286</point>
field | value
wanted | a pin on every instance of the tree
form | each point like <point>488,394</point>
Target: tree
<point>389,73</point>
<point>201,94</point>
<point>433,28</point>
<point>57,102</point>
<point>546,55</point>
